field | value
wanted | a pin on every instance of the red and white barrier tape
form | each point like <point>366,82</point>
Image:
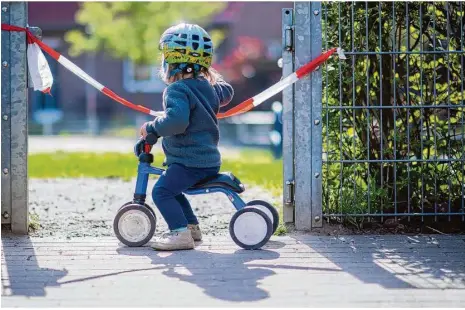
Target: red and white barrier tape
<point>243,107</point>
<point>279,86</point>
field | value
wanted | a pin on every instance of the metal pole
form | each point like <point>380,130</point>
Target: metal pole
<point>6,118</point>
<point>288,117</point>
<point>316,124</point>
<point>14,120</point>
<point>307,118</point>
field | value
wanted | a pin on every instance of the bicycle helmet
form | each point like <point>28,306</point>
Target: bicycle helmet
<point>186,44</point>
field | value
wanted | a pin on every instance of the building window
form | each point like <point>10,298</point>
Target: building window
<point>141,78</point>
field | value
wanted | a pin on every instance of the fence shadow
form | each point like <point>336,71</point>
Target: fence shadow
<point>21,273</point>
<point>393,262</point>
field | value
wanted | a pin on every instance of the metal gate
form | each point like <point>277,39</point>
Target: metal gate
<point>380,134</point>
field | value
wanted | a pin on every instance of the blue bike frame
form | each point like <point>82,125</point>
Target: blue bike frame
<point>145,169</point>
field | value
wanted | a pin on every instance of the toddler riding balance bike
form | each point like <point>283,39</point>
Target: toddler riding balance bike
<point>250,227</point>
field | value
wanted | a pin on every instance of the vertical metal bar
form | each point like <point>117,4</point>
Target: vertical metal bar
<point>341,182</point>
<point>19,184</point>
<point>422,115</point>
<point>394,91</point>
<point>6,119</point>
<point>448,109</point>
<point>435,129</point>
<point>462,63</point>
<point>381,102</point>
<point>307,46</point>
<point>288,117</point>
<point>316,126</point>
<point>368,110</point>
<point>328,140</point>
<point>407,56</point>
<point>353,100</point>
<point>302,119</point>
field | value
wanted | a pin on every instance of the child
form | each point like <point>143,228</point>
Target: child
<point>189,129</point>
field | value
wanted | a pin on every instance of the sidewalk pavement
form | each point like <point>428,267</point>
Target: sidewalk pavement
<point>303,270</point>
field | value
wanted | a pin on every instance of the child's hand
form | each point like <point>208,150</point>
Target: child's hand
<point>143,130</point>
<point>139,147</point>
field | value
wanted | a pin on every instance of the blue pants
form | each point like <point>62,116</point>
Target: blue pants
<point>168,194</point>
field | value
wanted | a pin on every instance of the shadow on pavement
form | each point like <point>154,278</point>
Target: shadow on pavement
<point>220,275</point>
<point>400,261</point>
<point>17,278</point>
<point>231,277</point>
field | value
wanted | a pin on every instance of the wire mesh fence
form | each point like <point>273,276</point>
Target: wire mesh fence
<point>393,112</point>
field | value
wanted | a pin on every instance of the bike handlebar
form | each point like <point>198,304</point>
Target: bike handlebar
<point>151,139</point>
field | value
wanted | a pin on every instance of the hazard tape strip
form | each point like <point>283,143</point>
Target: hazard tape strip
<point>249,104</point>
<point>243,107</point>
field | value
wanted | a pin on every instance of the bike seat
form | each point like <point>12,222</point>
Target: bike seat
<point>224,179</point>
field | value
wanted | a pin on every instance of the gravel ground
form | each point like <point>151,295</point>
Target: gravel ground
<point>86,207</point>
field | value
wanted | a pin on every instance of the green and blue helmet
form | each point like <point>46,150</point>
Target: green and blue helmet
<point>186,44</point>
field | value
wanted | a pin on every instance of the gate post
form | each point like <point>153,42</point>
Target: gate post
<point>14,120</point>
<point>288,117</point>
<point>307,118</point>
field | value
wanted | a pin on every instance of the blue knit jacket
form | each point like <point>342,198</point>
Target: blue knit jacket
<point>190,128</point>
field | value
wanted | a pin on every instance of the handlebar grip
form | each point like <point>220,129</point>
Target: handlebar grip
<point>151,139</point>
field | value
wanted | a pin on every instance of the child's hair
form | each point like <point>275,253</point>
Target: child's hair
<point>210,74</point>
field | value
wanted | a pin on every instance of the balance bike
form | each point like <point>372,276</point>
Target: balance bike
<point>250,227</point>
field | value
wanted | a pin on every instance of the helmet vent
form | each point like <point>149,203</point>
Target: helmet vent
<point>183,43</point>
<point>207,46</point>
<point>205,39</point>
<point>195,37</point>
<point>184,36</point>
<point>195,45</point>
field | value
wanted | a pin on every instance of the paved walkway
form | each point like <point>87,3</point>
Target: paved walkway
<point>361,271</point>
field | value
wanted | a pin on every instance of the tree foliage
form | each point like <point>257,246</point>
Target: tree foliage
<point>132,29</point>
<point>417,82</point>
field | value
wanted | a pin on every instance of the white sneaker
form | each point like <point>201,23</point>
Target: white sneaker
<point>174,240</point>
<point>195,231</point>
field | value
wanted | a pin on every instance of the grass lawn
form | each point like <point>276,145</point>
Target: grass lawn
<point>254,167</point>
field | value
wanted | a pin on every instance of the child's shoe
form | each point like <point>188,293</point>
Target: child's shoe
<point>174,240</point>
<point>195,231</point>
